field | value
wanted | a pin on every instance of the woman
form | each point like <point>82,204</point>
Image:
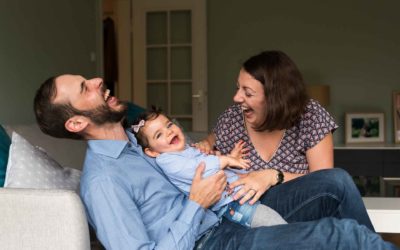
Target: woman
<point>288,136</point>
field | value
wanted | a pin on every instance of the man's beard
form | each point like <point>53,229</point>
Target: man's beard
<point>104,114</point>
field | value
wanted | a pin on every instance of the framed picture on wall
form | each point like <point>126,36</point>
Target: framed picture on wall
<point>396,116</point>
<point>365,128</point>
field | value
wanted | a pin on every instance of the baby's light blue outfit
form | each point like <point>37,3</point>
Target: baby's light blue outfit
<point>180,168</point>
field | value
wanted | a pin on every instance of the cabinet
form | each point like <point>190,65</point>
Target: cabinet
<point>375,170</point>
<point>369,161</point>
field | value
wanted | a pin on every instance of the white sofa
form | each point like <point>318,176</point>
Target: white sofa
<point>39,219</point>
<point>36,216</point>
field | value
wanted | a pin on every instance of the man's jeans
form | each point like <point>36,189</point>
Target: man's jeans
<point>302,202</point>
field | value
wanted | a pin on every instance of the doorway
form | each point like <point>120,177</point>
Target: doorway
<point>162,57</point>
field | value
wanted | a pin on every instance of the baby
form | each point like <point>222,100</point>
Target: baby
<point>162,139</point>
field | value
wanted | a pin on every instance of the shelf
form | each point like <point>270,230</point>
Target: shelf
<point>386,146</point>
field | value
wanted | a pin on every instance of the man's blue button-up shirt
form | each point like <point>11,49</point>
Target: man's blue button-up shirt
<point>132,205</point>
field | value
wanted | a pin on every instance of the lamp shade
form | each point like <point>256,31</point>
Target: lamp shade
<point>320,93</point>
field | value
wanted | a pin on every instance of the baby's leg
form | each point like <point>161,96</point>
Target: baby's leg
<point>266,216</point>
<point>251,216</point>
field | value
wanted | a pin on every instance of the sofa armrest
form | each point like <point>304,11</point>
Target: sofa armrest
<point>42,219</point>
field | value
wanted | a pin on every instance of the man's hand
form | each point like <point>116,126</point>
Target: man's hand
<point>207,191</point>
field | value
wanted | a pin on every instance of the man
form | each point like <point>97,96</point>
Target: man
<point>132,205</point>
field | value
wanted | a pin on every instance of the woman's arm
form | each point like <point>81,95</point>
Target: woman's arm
<point>321,155</point>
<point>318,157</point>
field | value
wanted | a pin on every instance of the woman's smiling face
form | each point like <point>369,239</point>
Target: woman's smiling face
<point>251,97</point>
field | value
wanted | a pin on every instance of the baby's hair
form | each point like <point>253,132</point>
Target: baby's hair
<point>145,116</point>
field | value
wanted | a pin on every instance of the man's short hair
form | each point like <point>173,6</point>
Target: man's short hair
<point>51,117</point>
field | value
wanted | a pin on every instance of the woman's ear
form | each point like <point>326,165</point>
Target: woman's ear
<point>151,153</point>
<point>76,124</point>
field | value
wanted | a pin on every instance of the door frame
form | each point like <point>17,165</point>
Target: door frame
<point>131,56</point>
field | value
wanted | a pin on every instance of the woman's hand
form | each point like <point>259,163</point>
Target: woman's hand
<point>253,185</point>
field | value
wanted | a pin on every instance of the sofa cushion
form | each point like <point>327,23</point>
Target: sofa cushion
<point>31,167</point>
<point>133,112</point>
<point>67,152</point>
<point>4,147</point>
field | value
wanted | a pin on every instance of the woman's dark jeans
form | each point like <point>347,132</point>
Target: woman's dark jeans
<point>323,193</point>
<point>305,202</point>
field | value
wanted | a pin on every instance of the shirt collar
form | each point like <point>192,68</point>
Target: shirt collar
<point>113,148</point>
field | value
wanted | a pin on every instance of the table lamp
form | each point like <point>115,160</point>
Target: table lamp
<point>320,93</point>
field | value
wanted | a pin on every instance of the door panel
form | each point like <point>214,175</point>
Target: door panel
<point>169,59</point>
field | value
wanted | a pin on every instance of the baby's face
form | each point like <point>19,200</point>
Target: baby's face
<point>163,135</point>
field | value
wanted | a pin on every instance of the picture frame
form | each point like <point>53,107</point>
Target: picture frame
<point>396,116</point>
<point>363,128</point>
<point>390,186</point>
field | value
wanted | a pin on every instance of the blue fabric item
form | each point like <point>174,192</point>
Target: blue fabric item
<point>299,201</point>
<point>133,204</point>
<point>5,143</point>
<point>135,207</point>
<point>133,112</point>
<point>180,168</point>
<point>242,214</point>
<point>324,234</point>
<point>330,189</point>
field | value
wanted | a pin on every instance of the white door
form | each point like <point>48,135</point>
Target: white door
<point>169,59</point>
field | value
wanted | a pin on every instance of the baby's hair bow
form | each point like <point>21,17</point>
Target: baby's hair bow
<point>138,126</point>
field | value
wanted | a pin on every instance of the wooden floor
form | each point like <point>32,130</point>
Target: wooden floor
<point>394,238</point>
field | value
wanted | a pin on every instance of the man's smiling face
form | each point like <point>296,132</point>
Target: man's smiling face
<point>89,97</point>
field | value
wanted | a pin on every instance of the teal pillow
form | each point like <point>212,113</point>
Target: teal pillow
<point>5,143</point>
<point>133,112</point>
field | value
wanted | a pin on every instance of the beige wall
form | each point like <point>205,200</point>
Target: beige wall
<point>353,46</point>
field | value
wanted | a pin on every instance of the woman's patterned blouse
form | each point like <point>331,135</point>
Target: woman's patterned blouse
<point>290,156</point>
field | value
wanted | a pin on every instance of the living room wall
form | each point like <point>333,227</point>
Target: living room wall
<point>353,46</point>
<point>40,39</point>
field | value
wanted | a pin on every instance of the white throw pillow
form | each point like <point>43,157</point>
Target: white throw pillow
<point>31,167</point>
<point>66,152</point>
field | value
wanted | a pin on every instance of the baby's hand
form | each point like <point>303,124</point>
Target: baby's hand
<point>229,161</point>
<point>245,162</point>
<point>204,147</point>
<point>239,151</point>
